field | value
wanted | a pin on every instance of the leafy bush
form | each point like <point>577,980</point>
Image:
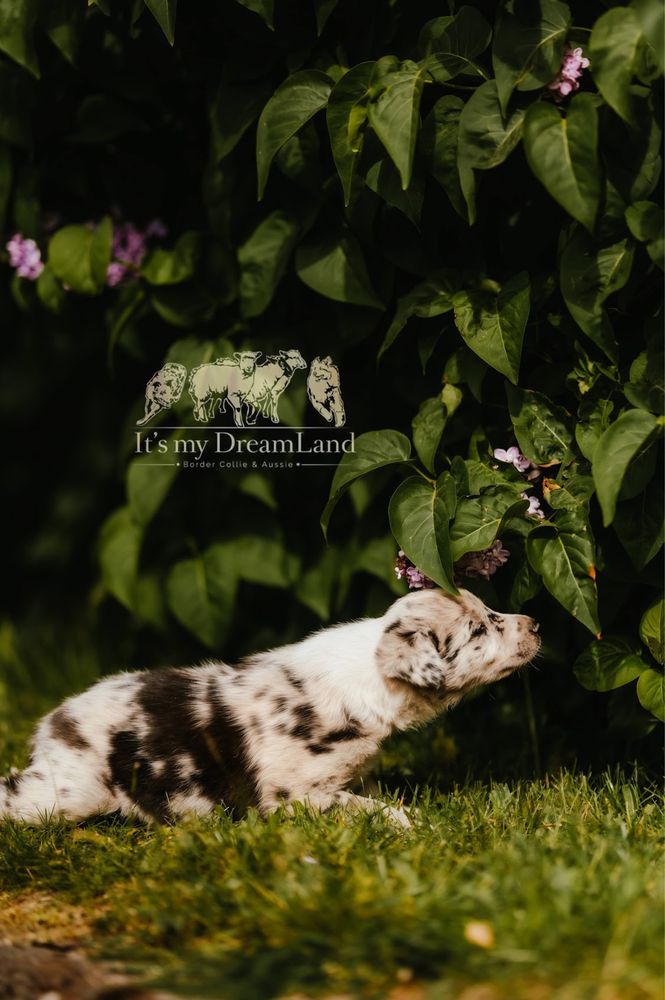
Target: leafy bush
<point>460,209</point>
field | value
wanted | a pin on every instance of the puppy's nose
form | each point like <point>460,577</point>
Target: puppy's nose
<point>534,626</point>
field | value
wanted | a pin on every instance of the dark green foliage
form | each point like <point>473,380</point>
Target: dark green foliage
<point>425,202</point>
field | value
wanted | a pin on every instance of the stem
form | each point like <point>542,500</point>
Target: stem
<point>421,473</point>
<point>531,722</point>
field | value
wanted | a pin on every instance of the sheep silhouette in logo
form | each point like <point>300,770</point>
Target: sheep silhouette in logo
<point>224,383</point>
<point>323,389</point>
<point>163,390</point>
<point>270,380</point>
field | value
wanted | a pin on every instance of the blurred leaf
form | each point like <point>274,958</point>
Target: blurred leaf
<point>184,305</point>
<point>487,135</point>
<point>50,292</point>
<point>336,269</point>
<point>383,179</point>
<point>589,275</point>
<point>79,256</point>
<point>322,10</point>
<point>234,108</point>
<point>652,627</point>
<point>528,45</point>
<point>6,176</point>
<point>609,663</point>
<point>264,8</point>
<point>613,50</point>
<point>430,298</point>
<point>645,221</point>
<point>428,425</point>
<point>395,115</point>
<point>316,587</point>
<point>478,520</point>
<point>563,154</point>
<point>639,525</point>
<point>346,116</point>
<point>102,119</point>
<point>650,16</point>
<point>650,691</point>
<point>564,556</point>
<point>201,594</point>
<point>63,22</point>
<point>646,388</point>
<point>16,101</point>
<point>526,585</point>
<point>263,259</point>
<point>164,12</point>
<point>170,267</point>
<point>149,479</point>
<point>419,521</point>
<point>119,546</point>
<point>438,145</point>
<point>541,428</point>
<point>292,105</point>
<point>493,324</point>
<point>619,445</point>
<point>17,28</point>
<point>450,44</point>
<point>373,450</point>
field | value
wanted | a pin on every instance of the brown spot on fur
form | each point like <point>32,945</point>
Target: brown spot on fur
<point>65,728</point>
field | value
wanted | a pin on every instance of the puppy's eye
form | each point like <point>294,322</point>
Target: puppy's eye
<point>477,629</point>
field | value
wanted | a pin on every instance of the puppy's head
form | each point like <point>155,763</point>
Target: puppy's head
<point>445,646</point>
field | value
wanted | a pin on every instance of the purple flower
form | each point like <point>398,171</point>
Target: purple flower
<point>156,229</point>
<point>405,570</point>
<point>534,506</point>
<point>567,79</point>
<point>25,256</point>
<point>129,247</point>
<point>484,563</point>
<point>512,456</point>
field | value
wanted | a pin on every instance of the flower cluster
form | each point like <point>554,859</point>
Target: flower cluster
<point>484,563</point>
<point>405,570</point>
<point>129,247</point>
<point>25,256</point>
<point>567,79</point>
<point>534,508</point>
<point>513,456</point>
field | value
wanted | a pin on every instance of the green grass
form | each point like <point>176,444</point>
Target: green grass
<point>542,889</point>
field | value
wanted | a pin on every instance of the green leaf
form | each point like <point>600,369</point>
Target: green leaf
<point>478,520</point>
<point>594,417</point>
<point>428,425</point>
<point>651,693</point>
<point>650,16</point>
<point>164,12</point>
<point>382,178</point>
<point>645,221</point>
<point>170,267</point>
<point>292,105</point>
<point>528,45</point>
<point>419,521</point>
<point>234,108</point>
<point>430,298</point>
<point>373,450</point>
<point>184,305</point>
<point>438,145</point>
<point>526,585</point>
<point>541,428</point>
<point>620,444</point>
<point>17,29</point>
<point>335,267</point>
<point>263,259</point>
<point>119,546</point>
<point>609,663</point>
<point>493,324</point>
<point>201,594</point>
<point>646,388</point>
<point>639,525</point>
<point>450,44</point>
<point>50,292</point>
<point>63,22</point>
<point>79,256</point>
<point>563,154</point>
<point>564,556</point>
<point>487,135</point>
<point>264,8</point>
<point>613,50</point>
<point>479,475</point>
<point>322,10</point>
<point>346,116</point>
<point>652,627</point>
<point>588,276</point>
<point>395,115</point>
<point>148,482</point>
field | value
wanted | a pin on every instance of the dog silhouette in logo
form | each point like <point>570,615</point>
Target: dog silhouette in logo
<point>223,383</point>
<point>163,390</point>
<point>323,389</point>
<point>271,378</point>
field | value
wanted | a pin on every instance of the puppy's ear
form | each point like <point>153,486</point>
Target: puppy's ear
<point>412,653</point>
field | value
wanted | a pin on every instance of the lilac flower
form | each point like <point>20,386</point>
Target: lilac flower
<point>513,456</point>
<point>405,570</point>
<point>534,506</point>
<point>484,563</point>
<point>128,248</point>
<point>25,256</point>
<point>155,230</point>
<point>567,79</point>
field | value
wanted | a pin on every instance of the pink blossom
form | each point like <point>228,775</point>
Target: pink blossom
<point>129,247</point>
<point>405,570</point>
<point>567,79</point>
<point>534,506</point>
<point>484,563</point>
<point>512,456</point>
<point>25,256</point>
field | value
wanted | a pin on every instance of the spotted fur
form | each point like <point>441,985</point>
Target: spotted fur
<point>292,724</point>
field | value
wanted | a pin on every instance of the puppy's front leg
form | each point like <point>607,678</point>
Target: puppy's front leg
<point>356,803</point>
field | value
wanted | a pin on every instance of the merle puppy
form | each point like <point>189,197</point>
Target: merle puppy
<point>292,724</point>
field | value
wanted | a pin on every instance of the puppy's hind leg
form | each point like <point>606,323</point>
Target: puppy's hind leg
<point>59,783</point>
